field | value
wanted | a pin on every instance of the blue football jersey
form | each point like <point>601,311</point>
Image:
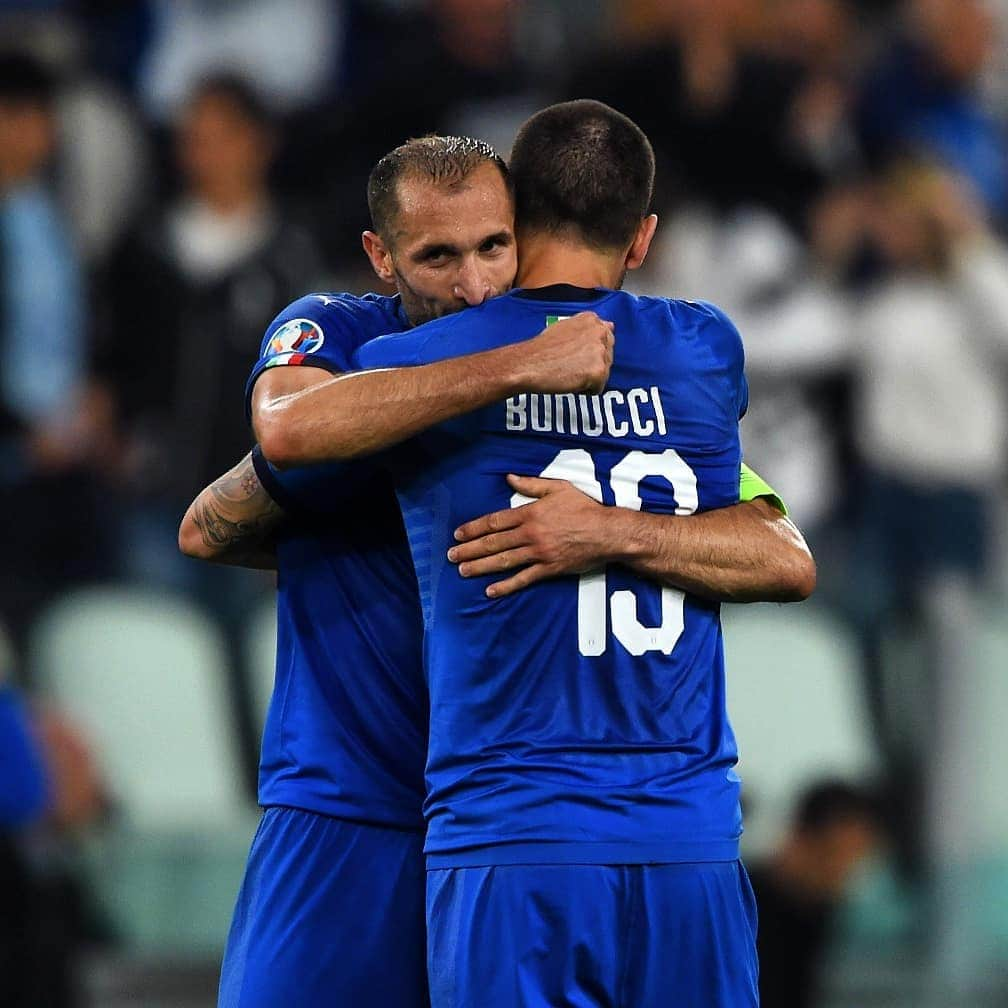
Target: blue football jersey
<point>346,731</point>
<point>583,719</point>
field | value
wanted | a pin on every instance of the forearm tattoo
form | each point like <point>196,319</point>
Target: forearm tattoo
<point>235,511</point>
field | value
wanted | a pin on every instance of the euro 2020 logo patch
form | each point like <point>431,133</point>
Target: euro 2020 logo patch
<point>296,336</point>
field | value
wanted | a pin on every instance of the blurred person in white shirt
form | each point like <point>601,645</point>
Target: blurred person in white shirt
<point>933,414</point>
<point>930,422</point>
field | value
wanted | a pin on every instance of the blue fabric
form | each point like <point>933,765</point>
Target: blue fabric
<point>330,913</point>
<point>42,346</point>
<point>346,731</point>
<point>579,936</point>
<point>345,320</point>
<point>582,720</point>
<point>24,786</point>
<point>907,102</point>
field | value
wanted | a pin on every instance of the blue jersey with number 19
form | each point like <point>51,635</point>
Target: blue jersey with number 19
<point>582,720</point>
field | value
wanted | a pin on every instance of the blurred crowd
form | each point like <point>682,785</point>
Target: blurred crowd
<point>834,173</point>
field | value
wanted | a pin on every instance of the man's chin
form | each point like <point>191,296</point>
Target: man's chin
<point>430,311</point>
<point>419,311</point>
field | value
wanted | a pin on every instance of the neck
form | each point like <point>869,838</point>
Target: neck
<point>544,260</point>
<point>233,200</point>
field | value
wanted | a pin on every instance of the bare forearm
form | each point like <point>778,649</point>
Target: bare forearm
<point>745,553</point>
<point>232,521</point>
<point>358,414</point>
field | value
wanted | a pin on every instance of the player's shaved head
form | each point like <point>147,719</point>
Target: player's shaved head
<point>584,170</point>
<point>442,160</point>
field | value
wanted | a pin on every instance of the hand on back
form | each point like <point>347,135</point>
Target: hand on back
<point>572,355</point>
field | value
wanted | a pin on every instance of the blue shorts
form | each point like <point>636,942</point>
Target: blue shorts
<point>330,914</point>
<point>592,936</point>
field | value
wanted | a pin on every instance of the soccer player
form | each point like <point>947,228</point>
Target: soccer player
<point>343,591</point>
<point>331,907</point>
<point>582,807</point>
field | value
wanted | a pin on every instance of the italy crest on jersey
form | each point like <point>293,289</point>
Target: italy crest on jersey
<point>293,341</point>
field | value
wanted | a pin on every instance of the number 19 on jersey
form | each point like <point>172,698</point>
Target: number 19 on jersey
<point>577,466</point>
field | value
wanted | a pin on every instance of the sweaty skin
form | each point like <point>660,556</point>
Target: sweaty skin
<point>748,553</point>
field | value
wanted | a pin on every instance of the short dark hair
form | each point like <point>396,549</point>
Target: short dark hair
<point>443,160</point>
<point>832,801</point>
<point>581,167</point>
<point>26,80</point>
<point>237,91</point>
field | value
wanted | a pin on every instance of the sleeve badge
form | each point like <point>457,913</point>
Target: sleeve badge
<point>293,340</point>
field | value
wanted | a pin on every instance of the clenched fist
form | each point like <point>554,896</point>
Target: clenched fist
<point>572,355</point>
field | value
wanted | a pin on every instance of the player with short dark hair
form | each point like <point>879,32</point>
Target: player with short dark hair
<point>583,810</point>
<point>560,185</point>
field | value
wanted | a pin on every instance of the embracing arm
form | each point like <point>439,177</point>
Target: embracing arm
<point>357,414</point>
<point>231,520</point>
<point>748,552</point>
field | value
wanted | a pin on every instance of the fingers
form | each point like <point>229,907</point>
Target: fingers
<point>524,578</point>
<point>532,486</point>
<point>484,546</point>
<point>501,521</point>
<point>497,521</point>
<point>497,562</point>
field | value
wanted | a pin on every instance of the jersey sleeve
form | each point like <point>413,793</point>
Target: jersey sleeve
<point>317,330</point>
<point>314,490</point>
<point>753,486</point>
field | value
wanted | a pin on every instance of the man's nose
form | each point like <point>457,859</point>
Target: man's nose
<point>471,285</point>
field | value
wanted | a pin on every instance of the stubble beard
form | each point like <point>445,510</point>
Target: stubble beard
<point>419,309</point>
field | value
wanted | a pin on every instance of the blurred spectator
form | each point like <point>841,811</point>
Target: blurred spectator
<point>455,67</point>
<point>186,300</point>
<point>291,50</point>
<point>818,38</point>
<point>932,421</point>
<point>797,332</point>
<point>707,94</point>
<point>25,790</point>
<point>23,799</point>
<point>100,168</point>
<point>924,96</point>
<point>44,349</point>
<point>49,785</point>
<point>931,425</point>
<point>54,427</point>
<point>104,168</point>
<point>801,886</point>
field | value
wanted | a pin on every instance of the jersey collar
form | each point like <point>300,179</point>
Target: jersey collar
<point>561,293</point>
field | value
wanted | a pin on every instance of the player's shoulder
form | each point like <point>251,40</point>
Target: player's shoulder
<point>686,313</point>
<point>328,326</point>
<point>344,310</point>
<point>702,322</point>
